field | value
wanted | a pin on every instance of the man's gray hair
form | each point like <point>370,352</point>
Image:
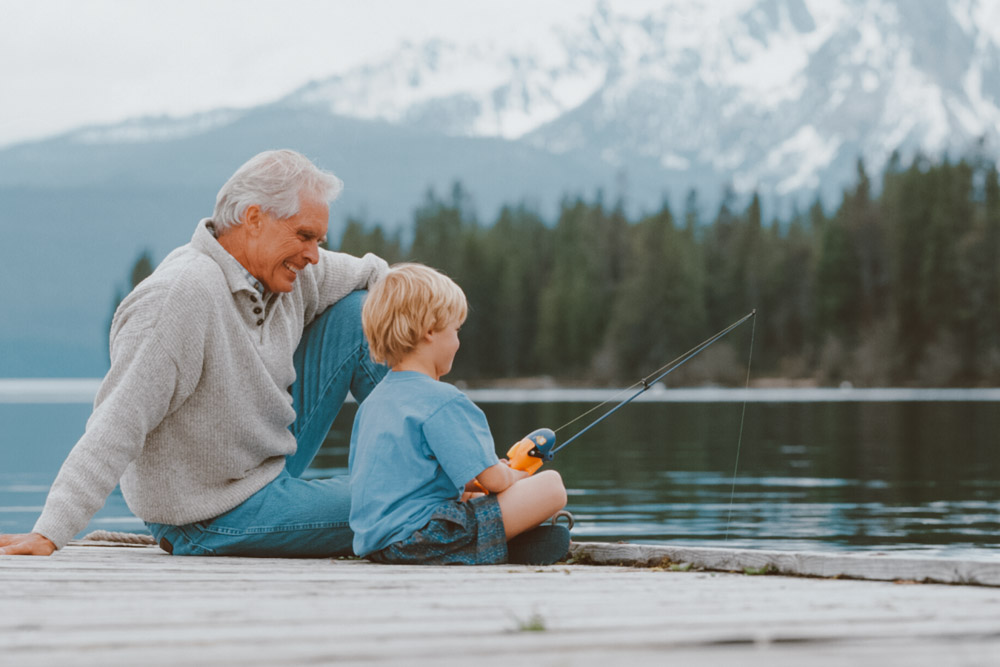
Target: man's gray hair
<point>273,180</point>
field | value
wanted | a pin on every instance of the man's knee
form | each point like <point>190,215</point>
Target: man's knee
<point>343,317</point>
<point>350,305</point>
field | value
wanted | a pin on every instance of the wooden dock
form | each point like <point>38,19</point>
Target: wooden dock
<point>118,605</point>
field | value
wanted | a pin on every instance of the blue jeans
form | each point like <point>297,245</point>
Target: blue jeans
<point>293,517</point>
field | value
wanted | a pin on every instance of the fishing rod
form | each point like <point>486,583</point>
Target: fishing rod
<point>537,447</point>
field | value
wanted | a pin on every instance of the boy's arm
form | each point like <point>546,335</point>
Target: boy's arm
<point>499,477</point>
<point>474,486</point>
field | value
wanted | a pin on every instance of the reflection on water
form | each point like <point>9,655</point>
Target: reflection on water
<point>922,476</point>
<point>779,513</point>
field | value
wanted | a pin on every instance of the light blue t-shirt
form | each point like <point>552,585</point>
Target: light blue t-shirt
<point>416,443</point>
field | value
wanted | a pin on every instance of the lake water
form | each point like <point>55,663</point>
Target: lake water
<point>834,474</point>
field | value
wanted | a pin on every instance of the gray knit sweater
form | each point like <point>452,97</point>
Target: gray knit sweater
<point>193,416</point>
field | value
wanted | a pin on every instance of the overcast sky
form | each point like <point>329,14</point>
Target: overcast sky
<point>68,63</point>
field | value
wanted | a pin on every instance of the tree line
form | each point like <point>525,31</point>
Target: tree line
<point>895,288</point>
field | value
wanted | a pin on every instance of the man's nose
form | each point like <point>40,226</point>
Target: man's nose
<point>312,252</point>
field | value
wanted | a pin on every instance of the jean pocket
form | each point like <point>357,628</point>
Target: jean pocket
<point>189,540</point>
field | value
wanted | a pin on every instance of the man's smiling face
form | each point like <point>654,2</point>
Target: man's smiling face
<point>277,249</point>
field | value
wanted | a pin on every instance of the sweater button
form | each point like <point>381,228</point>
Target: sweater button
<point>257,310</point>
<point>260,322</point>
<point>253,298</point>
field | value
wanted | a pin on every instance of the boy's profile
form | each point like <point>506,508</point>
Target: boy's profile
<point>419,446</point>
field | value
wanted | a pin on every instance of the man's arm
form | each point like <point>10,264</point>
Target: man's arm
<point>337,275</point>
<point>132,401</point>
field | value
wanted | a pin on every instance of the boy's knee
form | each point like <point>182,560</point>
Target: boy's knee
<point>555,489</point>
<point>552,475</point>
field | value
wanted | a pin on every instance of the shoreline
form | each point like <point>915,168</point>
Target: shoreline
<point>83,390</point>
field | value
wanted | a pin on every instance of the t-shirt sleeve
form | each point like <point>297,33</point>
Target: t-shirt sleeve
<point>459,437</point>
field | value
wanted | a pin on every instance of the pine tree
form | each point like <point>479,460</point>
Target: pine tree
<point>518,248</point>
<point>838,282</point>
<point>447,237</point>
<point>359,239</point>
<point>575,303</point>
<point>141,269</point>
<point>721,253</point>
<point>659,312</point>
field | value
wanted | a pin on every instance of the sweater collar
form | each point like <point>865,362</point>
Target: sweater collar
<point>205,241</point>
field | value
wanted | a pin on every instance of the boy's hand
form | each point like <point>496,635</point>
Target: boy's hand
<point>500,477</point>
<point>518,474</point>
<point>469,495</point>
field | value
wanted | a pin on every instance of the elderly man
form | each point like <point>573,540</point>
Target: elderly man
<point>228,366</point>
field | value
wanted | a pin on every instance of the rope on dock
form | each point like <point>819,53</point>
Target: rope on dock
<point>123,538</point>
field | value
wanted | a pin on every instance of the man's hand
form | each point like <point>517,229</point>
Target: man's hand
<point>26,544</point>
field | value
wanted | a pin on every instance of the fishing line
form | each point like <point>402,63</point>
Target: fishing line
<point>646,383</point>
<point>739,441</point>
<point>531,451</point>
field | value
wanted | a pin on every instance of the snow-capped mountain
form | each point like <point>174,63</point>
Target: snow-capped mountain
<point>475,90</point>
<point>777,95</point>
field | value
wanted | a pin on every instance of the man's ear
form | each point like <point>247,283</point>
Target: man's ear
<point>253,218</point>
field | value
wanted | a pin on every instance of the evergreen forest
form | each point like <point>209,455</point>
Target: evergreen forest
<point>899,287</point>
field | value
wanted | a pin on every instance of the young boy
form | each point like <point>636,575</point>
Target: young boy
<point>419,446</point>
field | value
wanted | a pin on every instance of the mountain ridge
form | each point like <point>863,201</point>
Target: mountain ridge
<point>782,97</point>
<point>778,97</point>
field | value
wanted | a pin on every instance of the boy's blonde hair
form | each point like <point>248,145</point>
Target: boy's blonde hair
<point>409,301</point>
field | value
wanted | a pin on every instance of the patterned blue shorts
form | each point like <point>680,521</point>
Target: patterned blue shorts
<point>469,533</point>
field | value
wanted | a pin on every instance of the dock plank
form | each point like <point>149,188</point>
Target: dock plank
<point>878,566</point>
<point>126,605</point>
